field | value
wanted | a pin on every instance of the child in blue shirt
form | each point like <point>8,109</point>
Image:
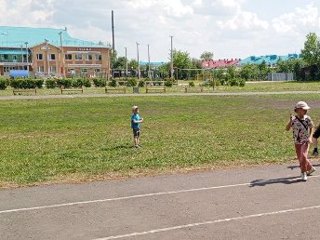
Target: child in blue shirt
<point>136,121</point>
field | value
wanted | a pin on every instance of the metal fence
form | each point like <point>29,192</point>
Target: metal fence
<point>280,77</point>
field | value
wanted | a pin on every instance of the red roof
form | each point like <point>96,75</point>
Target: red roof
<point>220,63</point>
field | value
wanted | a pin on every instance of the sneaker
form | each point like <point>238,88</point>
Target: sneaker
<point>315,152</point>
<point>304,176</point>
<point>311,171</point>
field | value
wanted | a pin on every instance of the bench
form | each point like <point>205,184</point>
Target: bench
<point>189,89</point>
<point>21,91</point>
<point>155,86</point>
<point>115,90</point>
<point>71,90</point>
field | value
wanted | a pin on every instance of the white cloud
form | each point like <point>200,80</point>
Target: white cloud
<point>26,12</point>
<point>298,21</point>
<point>226,27</point>
<point>244,21</point>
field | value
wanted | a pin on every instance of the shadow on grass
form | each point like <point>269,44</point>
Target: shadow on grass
<point>297,166</point>
<point>263,182</point>
<point>118,147</point>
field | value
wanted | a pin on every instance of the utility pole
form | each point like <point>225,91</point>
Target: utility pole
<point>112,23</point>
<point>47,58</point>
<point>138,60</point>
<point>171,64</point>
<point>149,68</point>
<point>62,56</point>
<point>126,56</point>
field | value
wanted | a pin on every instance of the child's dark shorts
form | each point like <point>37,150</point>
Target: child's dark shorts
<point>316,133</point>
<point>136,132</point>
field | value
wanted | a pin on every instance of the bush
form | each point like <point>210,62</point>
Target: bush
<point>77,83</point>
<point>168,83</point>
<point>142,83</point>
<point>240,82</point>
<point>191,84</point>
<point>112,83</point>
<point>99,82</point>
<point>132,82</point>
<point>3,84</point>
<point>50,83</point>
<point>26,83</point>
<point>66,83</point>
<point>86,82</point>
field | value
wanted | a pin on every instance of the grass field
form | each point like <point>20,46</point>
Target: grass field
<point>79,139</point>
<point>250,86</point>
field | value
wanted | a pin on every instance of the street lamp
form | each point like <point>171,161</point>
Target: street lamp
<point>26,43</point>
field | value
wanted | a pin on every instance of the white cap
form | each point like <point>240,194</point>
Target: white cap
<point>134,107</point>
<point>302,104</point>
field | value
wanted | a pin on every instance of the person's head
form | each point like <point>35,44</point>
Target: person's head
<point>301,108</point>
<point>135,109</point>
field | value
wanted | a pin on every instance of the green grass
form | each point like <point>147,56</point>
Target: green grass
<point>64,139</point>
<point>249,87</point>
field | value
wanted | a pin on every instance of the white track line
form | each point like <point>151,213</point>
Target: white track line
<point>136,234</point>
<point>129,197</point>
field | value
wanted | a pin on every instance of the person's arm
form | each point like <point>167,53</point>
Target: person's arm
<point>311,128</point>
<point>289,124</point>
<point>137,121</point>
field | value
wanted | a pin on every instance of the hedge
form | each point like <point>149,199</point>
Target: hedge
<point>100,82</point>
<point>3,84</point>
<point>26,83</point>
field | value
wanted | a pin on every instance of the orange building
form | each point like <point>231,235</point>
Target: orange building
<point>49,52</point>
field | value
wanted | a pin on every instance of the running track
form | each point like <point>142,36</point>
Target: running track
<point>268,202</point>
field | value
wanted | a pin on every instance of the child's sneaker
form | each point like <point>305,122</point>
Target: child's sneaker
<point>311,171</point>
<point>304,176</point>
<point>315,152</point>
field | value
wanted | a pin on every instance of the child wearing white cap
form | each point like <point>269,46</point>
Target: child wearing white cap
<point>302,127</point>
<point>136,121</point>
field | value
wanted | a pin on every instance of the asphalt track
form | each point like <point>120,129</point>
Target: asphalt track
<point>266,202</point>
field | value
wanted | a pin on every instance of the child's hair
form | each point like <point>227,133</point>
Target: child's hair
<point>134,108</point>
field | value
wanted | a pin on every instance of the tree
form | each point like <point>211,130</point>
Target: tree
<point>181,60</point>
<point>120,63</point>
<point>249,72</point>
<point>311,51</point>
<point>113,56</point>
<point>205,56</point>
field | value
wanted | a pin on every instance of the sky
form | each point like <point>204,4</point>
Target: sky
<point>227,28</point>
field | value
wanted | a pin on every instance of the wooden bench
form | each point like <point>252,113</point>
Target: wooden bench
<point>115,90</point>
<point>193,89</point>
<point>155,86</point>
<point>21,91</point>
<point>71,90</point>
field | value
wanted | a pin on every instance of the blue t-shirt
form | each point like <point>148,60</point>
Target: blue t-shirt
<point>135,117</point>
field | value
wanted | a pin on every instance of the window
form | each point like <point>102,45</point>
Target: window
<point>89,57</point>
<point>68,56</point>
<point>14,58</point>
<point>78,56</point>
<point>5,56</point>
<point>98,57</point>
<point>52,57</point>
<point>39,56</point>
<point>40,69</point>
<point>53,69</point>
